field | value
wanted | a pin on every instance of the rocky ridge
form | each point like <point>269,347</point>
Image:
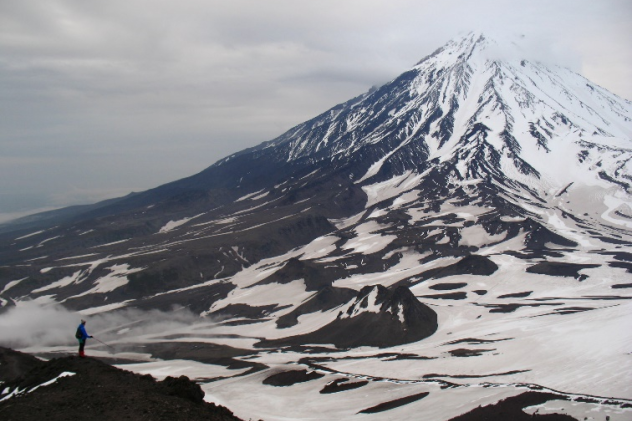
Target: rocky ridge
<point>70,387</point>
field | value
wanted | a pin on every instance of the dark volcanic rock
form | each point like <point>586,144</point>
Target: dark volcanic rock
<point>620,255</point>
<point>462,352</point>
<point>560,269</point>
<point>99,391</point>
<point>244,310</point>
<point>517,295</point>
<point>341,385</point>
<point>539,236</point>
<point>469,265</point>
<point>318,276</point>
<point>394,404</point>
<point>624,265</point>
<point>14,365</point>
<point>510,308</point>
<point>183,388</point>
<point>572,310</point>
<point>289,378</point>
<point>196,300</point>
<point>512,409</point>
<point>448,286</point>
<point>314,276</point>
<point>377,317</point>
<point>325,299</point>
<point>448,296</point>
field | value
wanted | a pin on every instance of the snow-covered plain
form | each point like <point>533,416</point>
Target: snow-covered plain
<point>566,336</point>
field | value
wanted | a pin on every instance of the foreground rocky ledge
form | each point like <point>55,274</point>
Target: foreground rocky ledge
<point>72,388</point>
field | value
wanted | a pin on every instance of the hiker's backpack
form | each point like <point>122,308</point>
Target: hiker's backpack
<point>78,333</point>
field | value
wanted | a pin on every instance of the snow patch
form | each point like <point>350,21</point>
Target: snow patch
<point>252,196</point>
<point>68,280</point>
<point>11,284</point>
<point>366,241</point>
<point>388,189</point>
<point>171,225</point>
<point>105,308</point>
<point>371,306</point>
<point>29,235</point>
<point>115,279</point>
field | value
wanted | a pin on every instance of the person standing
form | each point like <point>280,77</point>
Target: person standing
<point>82,336</point>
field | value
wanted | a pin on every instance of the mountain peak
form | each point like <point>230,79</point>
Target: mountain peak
<point>496,46</point>
<point>478,44</point>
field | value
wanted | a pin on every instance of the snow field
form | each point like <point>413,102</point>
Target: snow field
<point>319,247</point>
<point>115,279</point>
<point>176,368</point>
<point>572,353</point>
<point>367,241</point>
<point>406,267</point>
<point>303,400</point>
<point>259,295</point>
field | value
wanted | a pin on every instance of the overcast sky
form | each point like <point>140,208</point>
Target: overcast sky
<point>101,98</point>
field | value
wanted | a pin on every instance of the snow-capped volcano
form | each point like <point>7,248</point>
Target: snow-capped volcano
<point>460,111</point>
<point>462,119</point>
<point>463,227</point>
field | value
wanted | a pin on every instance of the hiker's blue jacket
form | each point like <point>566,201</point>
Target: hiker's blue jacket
<point>84,334</point>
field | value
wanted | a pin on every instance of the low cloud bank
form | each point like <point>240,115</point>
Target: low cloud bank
<point>32,324</point>
<point>36,324</point>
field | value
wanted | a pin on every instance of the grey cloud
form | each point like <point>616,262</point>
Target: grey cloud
<point>41,324</point>
<point>35,324</point>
